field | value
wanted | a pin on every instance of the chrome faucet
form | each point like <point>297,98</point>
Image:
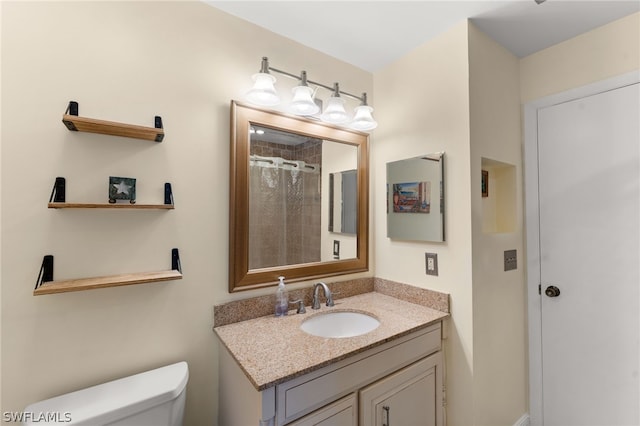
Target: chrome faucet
<point>327,295</point>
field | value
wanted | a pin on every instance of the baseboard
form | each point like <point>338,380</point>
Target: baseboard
<point>522,421</point>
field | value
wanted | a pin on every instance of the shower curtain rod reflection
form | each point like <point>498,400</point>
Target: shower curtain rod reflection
<point>281,162</point>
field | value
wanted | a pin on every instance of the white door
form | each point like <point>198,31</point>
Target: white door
<point>589,212</point>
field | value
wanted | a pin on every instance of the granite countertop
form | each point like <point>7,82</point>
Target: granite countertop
<point>272,350</point>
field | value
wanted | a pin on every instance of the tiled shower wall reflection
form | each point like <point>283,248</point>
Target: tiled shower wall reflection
<point>285,207</point>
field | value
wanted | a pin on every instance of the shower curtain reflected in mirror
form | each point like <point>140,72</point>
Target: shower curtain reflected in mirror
<point>284,214</point>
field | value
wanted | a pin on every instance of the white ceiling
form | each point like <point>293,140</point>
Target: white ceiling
<point>372,34</point>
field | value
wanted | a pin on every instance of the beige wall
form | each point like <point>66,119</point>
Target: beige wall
<point>422,107</point>
<point>123,61</point>
<point>459,93</point>
<point>499,297</point>
<point>605,52</point>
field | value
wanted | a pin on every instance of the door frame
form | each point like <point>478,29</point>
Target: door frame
<point>532,222</point>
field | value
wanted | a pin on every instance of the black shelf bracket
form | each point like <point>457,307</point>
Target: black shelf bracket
<point>59,191</point>
<point>72,109</point>
<point>175,260</point>
<point>46,271</point>
<point>168,194</point>
<point>158,125</point>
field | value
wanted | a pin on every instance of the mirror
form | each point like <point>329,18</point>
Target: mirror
<point>415,198</point>
<point>343,205</point>
<point>281,168</point>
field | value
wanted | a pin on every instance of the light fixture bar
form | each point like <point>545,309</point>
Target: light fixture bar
<point>297,77</point>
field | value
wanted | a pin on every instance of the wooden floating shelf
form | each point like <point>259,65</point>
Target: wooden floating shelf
<point>58,200</point>
<point>64,286</point>
<point>110,206</point>
<point>46,285</point>
<point>91,125</point>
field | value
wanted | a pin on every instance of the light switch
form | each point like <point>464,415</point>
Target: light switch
<point>431,263</point>
<point>510,260</point>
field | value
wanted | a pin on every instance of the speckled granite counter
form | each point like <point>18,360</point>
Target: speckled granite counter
<point>273,350</point>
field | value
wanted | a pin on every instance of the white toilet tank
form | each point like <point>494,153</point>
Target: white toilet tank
<point>152,398</point>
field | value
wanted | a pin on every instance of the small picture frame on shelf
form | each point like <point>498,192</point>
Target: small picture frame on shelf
<point>485,183</point>
<point>122,189</point>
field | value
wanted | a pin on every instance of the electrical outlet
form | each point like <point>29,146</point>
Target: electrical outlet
<point>431,260</point>
<point>336,249</point>
<point>510,260</point>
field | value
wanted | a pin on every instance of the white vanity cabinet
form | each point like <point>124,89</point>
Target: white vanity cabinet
<point>400,380</point>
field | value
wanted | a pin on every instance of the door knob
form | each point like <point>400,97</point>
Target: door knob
<point>552,291</point>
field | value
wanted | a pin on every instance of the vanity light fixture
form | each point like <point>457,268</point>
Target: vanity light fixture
<point>264,93</point>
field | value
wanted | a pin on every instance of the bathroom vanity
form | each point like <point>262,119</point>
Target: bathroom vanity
<point>273,373</point>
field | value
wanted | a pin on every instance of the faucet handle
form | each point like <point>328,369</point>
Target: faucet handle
<point>300,309</point>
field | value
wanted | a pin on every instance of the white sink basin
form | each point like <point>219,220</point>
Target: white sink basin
<point>339,324</point>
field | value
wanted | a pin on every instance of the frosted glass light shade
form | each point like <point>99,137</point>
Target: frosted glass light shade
<point>263,93</point>
<point>334,112</point>
<point>363,119</point>
<point>302,103</point>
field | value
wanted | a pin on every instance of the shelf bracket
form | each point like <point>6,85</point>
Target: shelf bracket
<point>59,192</point>
<point>168,194</point>
<point>46,271</point>
<point>72,109</point>
<point>158,125</point>
<point>175,260</point>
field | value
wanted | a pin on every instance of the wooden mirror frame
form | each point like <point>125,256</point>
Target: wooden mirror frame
<point>240,276</point>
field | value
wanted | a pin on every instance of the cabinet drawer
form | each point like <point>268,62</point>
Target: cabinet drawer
<point>304,394</point>
<point>343,412</point>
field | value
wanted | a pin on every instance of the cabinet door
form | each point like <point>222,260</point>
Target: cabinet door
<point>411,396</point>
<point>343,412</point>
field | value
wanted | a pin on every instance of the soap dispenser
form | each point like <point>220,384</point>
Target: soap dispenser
<point>282,299</point>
